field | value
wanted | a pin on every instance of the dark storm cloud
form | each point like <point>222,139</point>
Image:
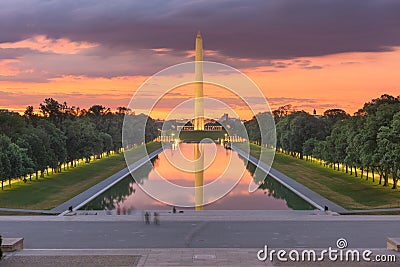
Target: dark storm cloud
<point>278,29</point>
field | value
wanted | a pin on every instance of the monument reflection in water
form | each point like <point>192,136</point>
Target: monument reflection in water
<point>199,175</point>
<point>271,195</point>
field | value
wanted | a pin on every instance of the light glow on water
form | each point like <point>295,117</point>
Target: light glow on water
<point>270,196</point>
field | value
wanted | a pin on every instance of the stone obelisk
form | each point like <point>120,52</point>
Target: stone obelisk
<point>198,93</point>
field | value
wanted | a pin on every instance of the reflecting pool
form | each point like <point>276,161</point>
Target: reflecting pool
<point>127,194</point>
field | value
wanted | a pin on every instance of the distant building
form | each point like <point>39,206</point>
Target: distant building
<point>224,117</point>
<point>210,125</point>
<point>316,115</point>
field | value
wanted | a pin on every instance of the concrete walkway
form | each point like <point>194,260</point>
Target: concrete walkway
<point>205,230</point>
<point>205,216</point>
<point>88,195</point>
<point>202,238</point>
<point>167,257</point>
<point>302,191</point>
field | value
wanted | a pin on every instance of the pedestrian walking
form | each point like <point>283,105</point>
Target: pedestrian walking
<point>147,217</point>
<point>156,218</point>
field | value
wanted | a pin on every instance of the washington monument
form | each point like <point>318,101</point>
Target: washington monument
<point>198,93</point>
<point>199,123</point>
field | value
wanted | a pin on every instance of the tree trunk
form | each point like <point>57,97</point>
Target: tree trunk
<point>367,173</point>
<point>347,169</point>
<point>42,174</point>
<point>37,175</point>
<point>373,174</point>
<point>351,170</point>
<point>362,172</point>
<point>394,179</point>
<point>2,184</point>
<point>380,178</point>
<point>355,171</point>
<point>386,177</point>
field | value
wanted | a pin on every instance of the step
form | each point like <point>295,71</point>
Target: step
<point>12,244</point>
<point>393,243</point>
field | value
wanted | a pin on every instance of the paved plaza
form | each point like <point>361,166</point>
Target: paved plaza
<point>207,238</point>
<point>164,257</point>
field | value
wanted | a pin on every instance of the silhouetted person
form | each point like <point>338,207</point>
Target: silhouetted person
<point>173,209</point>
<point>147,217</point>
<point>70,208</point>
<point>156,218</point>
<point>326,208</point>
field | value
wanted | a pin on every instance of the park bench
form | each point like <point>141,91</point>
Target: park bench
<point>393,243</point>
<point>12,244</point>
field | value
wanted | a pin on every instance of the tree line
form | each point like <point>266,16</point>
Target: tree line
<point>368,141</point>
<point>60,135</point>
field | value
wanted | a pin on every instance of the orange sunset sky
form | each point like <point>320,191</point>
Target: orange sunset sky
<point>311,54</point>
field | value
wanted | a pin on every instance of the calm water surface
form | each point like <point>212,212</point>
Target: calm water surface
<point>271,195</point>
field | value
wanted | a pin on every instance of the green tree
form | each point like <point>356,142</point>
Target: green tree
<point>389,149</point>
<point>5,165</point>
<point>309,146</point>
<point>12,124</point>
<point>14,161</point>
<point>303,126</point>
<point>35,147</point>
<point>57,152</point>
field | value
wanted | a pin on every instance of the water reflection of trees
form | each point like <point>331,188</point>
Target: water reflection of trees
<point>122,190</point>
<point>276,189</point>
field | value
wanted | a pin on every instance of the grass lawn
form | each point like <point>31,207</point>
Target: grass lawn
<point>49,192</point>
<point>348,191</point>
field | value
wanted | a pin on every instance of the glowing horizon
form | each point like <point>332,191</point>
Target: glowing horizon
<point>357,71</point>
